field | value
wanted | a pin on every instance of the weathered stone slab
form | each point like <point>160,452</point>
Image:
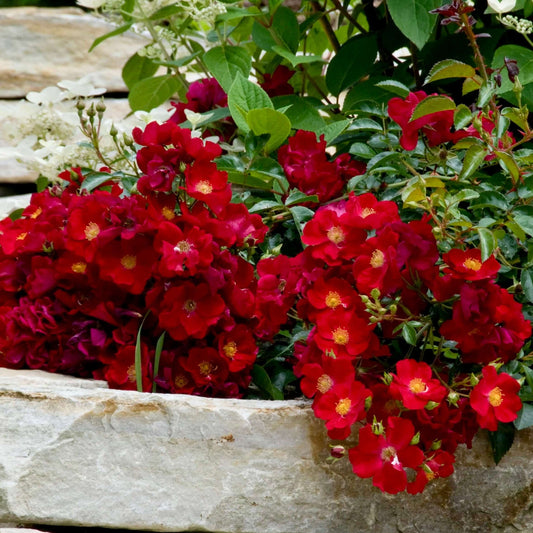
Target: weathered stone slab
<point>105,458</point>
<point>41,46</point>
<point>8,204</point>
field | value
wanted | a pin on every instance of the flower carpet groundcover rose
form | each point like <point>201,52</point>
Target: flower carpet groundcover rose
<point>356,232</point>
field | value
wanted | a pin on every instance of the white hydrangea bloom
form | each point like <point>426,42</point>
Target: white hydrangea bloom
<point>82,87</point>
<point>48,96</point>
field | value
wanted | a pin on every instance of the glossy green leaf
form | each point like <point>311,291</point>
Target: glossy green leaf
<point>116,31</point>
<point>413,18</point>
<point>298,197</point>
<point>354,60</point>
<point>524,59</point>
<point>263,205</point>
<point>492,199</point>
<point>450,68</point>
<point>243,97</point>
<point>523,216</point>
<point>262,380</point>
<point>473,158</point>
<point>225,62</point>
<point>525,417</point>
<point>157,357</point>
<point>301,215</point>
<point>301,112</point>
<point>394,87</point>
<point>149,93</point>
<point>294,59</point>
<point>409,334</point>
<point>509,164</point>
<point>462,117</point>
<point>333,130</point>
<point>269,121</point>
<point>138,68</point>
<point>284,31</point>
<point>515,116</point>
<point>526,281</point>
<point>487,242</point>
<point>432,104</point>
<point>501,440</point>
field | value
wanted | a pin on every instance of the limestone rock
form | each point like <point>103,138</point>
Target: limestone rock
<point>41,46</point>
<point>104,458</point>
<point>8,204</point>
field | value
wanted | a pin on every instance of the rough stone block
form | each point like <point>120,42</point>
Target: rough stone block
<point>96,457</point>
<point>41,46</point>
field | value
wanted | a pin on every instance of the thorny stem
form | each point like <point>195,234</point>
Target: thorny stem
<point>478,58</point>
<point>324,21</point>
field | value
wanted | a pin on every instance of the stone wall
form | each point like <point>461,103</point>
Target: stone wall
<point>74,453</point>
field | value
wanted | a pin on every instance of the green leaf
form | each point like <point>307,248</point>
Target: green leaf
<point>365,124</point>
<point>450,68</point>
<point>15,215</point>
<point>243,97</point>
<point>269,121</point>
<point>523,216</point>
<point>285,26</point>
<point>302,114</point>
<point>525,417</point>
<point>333,130</point>
<point>473,158</point>
<point>166,12</point>
<point>298,197</point>
<point>263,205</point>
<point>409,334</point>
<point>487,242</point>
<point>284,31</point>
<point>262,380</point>
<point>157,358</point>
<point>138,356</point>
<point>301,215</point>
<point>413,18</point>
<point>95,179</point>
<point>116,31</point>
<point>224,62</point>
<point>41,183</point>
<point>486,92</point>
<point>432,104</point>
<point>138,68</point>
<point>149,93</point>
<point>491,199</point>
<point>294,59</point>
<point>462,116</point>
<point>381,158</point>
<point>526,281</point>
<point>524,60</point>
<point>514,114</point>
<point>354,60</point>
<point>509,164</point>
<point>501,440</point>
<point>394,87</point>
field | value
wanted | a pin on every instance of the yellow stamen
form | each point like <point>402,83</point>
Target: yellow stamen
<point>377,259</point>
<point>496,397</point>
<point>183,247</point>
<point>343,406</point>
<point>417,385</point>
<point>206,368</point>
<point>92,229</point>
<point>367,211</point>
<point>324,383</point>
<point>340,336</point>
<point>129,262</point>
<point>333,299</point>
<point>336,235</point>
<point>230,349</point>
<point>472,264</point>
<point>189,306</point>
<point>79,268</point>
<point>168,213</point>
<point>204,187</point>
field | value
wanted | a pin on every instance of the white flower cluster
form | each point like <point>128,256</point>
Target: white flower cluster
<point>523,26</point>
<point>502,6</point>
<point>205,10</point>
<point>48,138</point>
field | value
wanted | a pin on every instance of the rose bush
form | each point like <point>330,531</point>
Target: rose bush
<point>306,219</point>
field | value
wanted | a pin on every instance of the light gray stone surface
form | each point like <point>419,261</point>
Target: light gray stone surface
<point>104,458</point>
<point>42,46</point>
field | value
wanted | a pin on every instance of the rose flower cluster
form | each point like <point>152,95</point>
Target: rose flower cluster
<point>366,275</point>
<point>88,278</point>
